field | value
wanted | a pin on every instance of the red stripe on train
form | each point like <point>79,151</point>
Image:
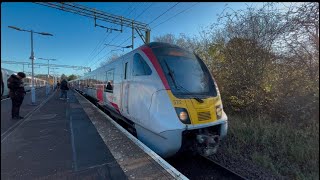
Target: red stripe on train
<point>100,92</point>
<point>115,106</point>
<point>156,65</point>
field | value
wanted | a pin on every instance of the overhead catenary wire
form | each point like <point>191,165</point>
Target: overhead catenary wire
<point>164,13</point>
<point>96,48</point>
<point>102,41</point>
<point>128,15</point>
<point>108,53</point>
<point>94,13</point>
<point>138,17</point>
<point>99,15</point>
<point>133,8</point>
<point>94,62</point>
<point>96,55</point>
<point>104,56</point>
<point>99,44</point>
<point>125,41</point>
<point>102,49</point>
<point>141,5</point>
<point>175,15</point>
<point>145,10</point>
<point>128,8</point>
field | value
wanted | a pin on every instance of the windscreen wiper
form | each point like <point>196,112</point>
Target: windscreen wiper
<point>195,97</point>
<point>178,86</point>
<point>171,75</point>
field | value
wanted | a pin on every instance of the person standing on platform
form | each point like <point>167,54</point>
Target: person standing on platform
<point>16,93</point>
<point>64,89</point>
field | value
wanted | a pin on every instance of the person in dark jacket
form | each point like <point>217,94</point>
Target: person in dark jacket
<point>109,87</point>
<point>64,88</point>
<point>16,93</point>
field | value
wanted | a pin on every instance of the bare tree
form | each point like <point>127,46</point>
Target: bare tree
<point>167,38</point>
<point>303,39</point>
<point>111,58</point>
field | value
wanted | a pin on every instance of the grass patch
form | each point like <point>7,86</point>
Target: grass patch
<point>284,149</point>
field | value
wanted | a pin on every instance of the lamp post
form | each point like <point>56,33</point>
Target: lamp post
<point>33,93</point>
<point>48,86</point>
<point>54,77</point>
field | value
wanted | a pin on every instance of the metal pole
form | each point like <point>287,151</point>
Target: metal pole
<point>148,36</point>
<point>132,35</point>
<point>47,87</point>
<point>53,81</point>
<point>33,92</point>
<point>48,71</point>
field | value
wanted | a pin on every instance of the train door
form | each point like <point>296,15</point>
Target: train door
<point>125,110</point>
<point>100,87</point>
<point>109,88</point>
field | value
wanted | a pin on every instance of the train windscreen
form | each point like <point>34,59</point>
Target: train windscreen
<point>185,72</point>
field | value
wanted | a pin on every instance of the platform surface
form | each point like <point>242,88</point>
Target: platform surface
<point>71,139</point>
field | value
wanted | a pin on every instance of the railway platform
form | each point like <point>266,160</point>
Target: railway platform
<point>73,139</point>
<point>26,109</point>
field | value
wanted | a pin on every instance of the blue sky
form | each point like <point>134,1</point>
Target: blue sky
<point>77,42</point>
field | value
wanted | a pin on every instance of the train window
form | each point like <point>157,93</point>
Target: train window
<point>109,85</point>
<point>100,78</point>
<point>93,81</point>
<point>140,67</point>
<point>82,83</point>
<point>175,62</point>
<point>89,82</point>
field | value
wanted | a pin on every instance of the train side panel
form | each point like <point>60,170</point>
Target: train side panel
<point>6,73</point>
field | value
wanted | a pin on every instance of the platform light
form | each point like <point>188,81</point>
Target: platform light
<point>32,58</point>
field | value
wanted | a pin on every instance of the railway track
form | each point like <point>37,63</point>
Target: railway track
<point>200,167</point>
<point>236,175</point>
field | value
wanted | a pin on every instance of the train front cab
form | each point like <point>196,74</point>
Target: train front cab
<point>188,114</point>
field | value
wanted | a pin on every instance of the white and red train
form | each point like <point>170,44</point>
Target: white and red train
<point>165,95</point>
<point>6,73</point>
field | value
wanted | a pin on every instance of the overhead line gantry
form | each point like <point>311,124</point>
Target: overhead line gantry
<point>103,16</point>
<point>88,69</point>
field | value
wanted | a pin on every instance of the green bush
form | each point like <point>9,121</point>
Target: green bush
<point>279,147</point>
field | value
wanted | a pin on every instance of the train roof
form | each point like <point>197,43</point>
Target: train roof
<point>150,45</point>
<point>161,44</point>
<point>9,71</point>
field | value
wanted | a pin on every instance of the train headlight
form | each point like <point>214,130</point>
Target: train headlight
<point>219,111</point>
<point>182,114</point>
